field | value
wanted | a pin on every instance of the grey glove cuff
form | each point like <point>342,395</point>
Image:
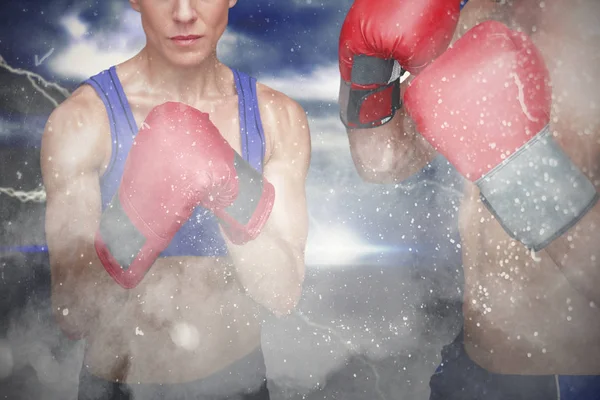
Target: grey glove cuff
<point>537,193</point>
<point>122,239</point>
<point>352,100</point>
<point>373,80</point>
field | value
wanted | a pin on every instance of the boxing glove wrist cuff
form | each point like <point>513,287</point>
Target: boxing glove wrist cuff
<point>123,250</point>
<point>244,219</point>
<point>537,193</point>
<point>368,108</point>
<point>372,95</point>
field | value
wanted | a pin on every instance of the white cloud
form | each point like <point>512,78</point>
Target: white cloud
<point>88,54</point>
<point>321,84</point>
<point>239,50</point>
<point>82,60</point>
<point>227,47</point>
<point>76,27</point>
<point>328,133</point>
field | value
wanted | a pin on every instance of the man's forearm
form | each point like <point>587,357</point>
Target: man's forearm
<point>389,153</point>
<point>577,253</point>
<point>270,271</point>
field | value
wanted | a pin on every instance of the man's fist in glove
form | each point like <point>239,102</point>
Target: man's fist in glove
<point>379,39</point>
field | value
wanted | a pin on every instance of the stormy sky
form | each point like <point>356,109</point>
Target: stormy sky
<point>383,260</point>
<point>289,45</point>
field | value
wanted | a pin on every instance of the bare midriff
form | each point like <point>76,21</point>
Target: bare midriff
<point>186,320</point>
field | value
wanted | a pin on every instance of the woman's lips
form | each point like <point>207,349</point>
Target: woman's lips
<point>185,40</point>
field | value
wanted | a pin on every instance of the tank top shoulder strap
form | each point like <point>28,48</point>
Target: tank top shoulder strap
<point>251,129</point>
<point>122,124</point>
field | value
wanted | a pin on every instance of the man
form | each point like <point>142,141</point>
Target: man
<point>519,121</point>
<point>170,243</point>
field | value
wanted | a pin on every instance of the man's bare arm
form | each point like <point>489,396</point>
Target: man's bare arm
<point>389,153</point>
<point>395,151</point>
<point>576,252</point>
<point>74,144</point>
<point>271,267</point>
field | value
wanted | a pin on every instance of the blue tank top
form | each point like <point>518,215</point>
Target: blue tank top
<point>200,235</point>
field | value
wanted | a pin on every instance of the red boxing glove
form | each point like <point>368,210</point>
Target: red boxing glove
<point>178,161</point>
<point>379,38</point>
<point>485,105</point>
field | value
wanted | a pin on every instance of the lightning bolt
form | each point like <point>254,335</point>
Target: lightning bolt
<point>353,349</point>
<point>32,77</point>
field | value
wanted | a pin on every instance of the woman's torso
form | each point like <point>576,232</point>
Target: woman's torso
<point>189,317</point>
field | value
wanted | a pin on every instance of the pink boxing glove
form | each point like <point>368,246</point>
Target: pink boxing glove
<point>379,39</point>
<point>485,105</point>
<point>178,161</point>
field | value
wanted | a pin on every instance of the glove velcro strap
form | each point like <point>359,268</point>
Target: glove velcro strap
<point>370,71</point>
<point>368,108</point>
<point>537,193</point>
<point>123,250</point>
<point>243,220</point>
<point>372,96</point>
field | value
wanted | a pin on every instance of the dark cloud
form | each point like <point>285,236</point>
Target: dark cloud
<point>382,304</point>
<point>287,28</point>
<point>304,33</point>
<point>32,27</point>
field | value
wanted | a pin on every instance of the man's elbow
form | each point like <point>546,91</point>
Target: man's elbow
<point>388,165</point>
<point>373,166</point>
<point>369,174</point>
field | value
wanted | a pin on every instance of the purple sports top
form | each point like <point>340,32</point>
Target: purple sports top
<point>200,235</point>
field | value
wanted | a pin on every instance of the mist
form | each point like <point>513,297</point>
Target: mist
<point>384,284</point>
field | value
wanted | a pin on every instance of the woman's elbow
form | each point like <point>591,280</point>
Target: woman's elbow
<point>68,317</point>
<point>286,302</point>
<point>68,323</point>
<point>284,306</point>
